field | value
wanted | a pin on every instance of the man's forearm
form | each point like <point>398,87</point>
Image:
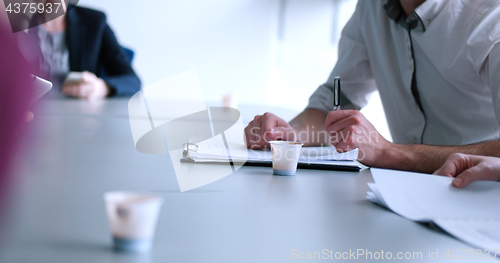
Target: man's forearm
<point>428,158</point>
<point>310,129</point>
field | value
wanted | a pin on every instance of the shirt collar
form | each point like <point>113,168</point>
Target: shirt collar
<point>429,10</point>
<point>394,10</point>
<point>426,12</point>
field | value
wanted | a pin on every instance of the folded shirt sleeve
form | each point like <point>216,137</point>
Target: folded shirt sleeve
<point>491,75</point>
<point>353,68</point>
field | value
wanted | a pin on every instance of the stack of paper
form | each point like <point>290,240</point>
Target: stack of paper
<point>471,214</point>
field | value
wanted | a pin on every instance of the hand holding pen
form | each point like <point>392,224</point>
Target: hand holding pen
<point>349,129</point>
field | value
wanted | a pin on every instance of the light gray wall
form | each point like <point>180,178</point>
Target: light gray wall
<point>226,41</point>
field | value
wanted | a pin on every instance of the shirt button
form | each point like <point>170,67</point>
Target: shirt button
<point>410,58</point>
<point>414,141</point>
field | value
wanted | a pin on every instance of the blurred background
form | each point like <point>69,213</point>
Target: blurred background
<point>267,52</point>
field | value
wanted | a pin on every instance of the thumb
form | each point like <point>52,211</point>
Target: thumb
<point>470,175</point>
<point>454,165</point>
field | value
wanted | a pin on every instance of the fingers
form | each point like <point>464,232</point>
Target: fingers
<point>100,91</point>
<point>282,134</point>
<point>344,140</point>
<point>252,132</point>
<point>245,137</point>
<point>265,128</point>
<point>84,89</point>
<point>481,168</point>
<point>335,116</point>
<point>249,135</point>
<point>88,76</point>
<point>454,165</point>
<point>81,90</point>
<point>457,163</point>
<point>83,93</point>
<point>268,123</point>
<point>345,123</point>
<point>470,168</point>
<point>350,129</point>
<point>67,89</point>
<point>76,90</point>
<point>256,133</point>
<point>343,132</point>
<point>470,175</point>
<point>273,128</point>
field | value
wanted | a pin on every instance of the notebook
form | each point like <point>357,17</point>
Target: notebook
<point>470,214</point>
<point>320,158</point>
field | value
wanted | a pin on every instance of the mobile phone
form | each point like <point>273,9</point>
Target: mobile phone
<point>73,77</point>
<point>40,88</point>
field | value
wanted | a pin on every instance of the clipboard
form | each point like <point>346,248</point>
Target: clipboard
<point>191,154</point>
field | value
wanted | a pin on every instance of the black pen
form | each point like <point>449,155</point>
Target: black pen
<point>336,93</point>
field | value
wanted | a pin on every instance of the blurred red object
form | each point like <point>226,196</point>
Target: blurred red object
<point>16,80</point>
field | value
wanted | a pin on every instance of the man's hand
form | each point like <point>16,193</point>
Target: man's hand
<point>265,128</point>
<point>91,87</point>
<point>469,168</point>
<point>349,129</point>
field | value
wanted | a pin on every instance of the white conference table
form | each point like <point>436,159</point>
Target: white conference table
<point>83,149</point>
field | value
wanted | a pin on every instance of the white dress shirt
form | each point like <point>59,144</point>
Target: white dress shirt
<point>455,53</point>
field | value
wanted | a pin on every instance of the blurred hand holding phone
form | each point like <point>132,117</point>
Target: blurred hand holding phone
<point>85,85</point>
<point>74,78</point>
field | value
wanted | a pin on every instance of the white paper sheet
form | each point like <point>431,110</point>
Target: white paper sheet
<point>374,196</point>
<point>423,197</point>
<point>471,214</point>
<point>480,233</point>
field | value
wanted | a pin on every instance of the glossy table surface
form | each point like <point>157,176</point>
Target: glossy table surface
<point>81,150</point>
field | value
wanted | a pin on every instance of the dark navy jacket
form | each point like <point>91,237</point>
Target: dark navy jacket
<point>92,46</point>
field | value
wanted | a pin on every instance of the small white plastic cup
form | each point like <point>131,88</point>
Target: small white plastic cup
<point>285,157</point>
<point>132,218</point>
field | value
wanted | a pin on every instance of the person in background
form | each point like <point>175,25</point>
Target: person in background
<point>436,65</point>
<point>81,41</point>
<point>469,168</point>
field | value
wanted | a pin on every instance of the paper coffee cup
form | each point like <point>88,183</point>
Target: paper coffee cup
<point>285,157</point>
<point>132,218</point>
